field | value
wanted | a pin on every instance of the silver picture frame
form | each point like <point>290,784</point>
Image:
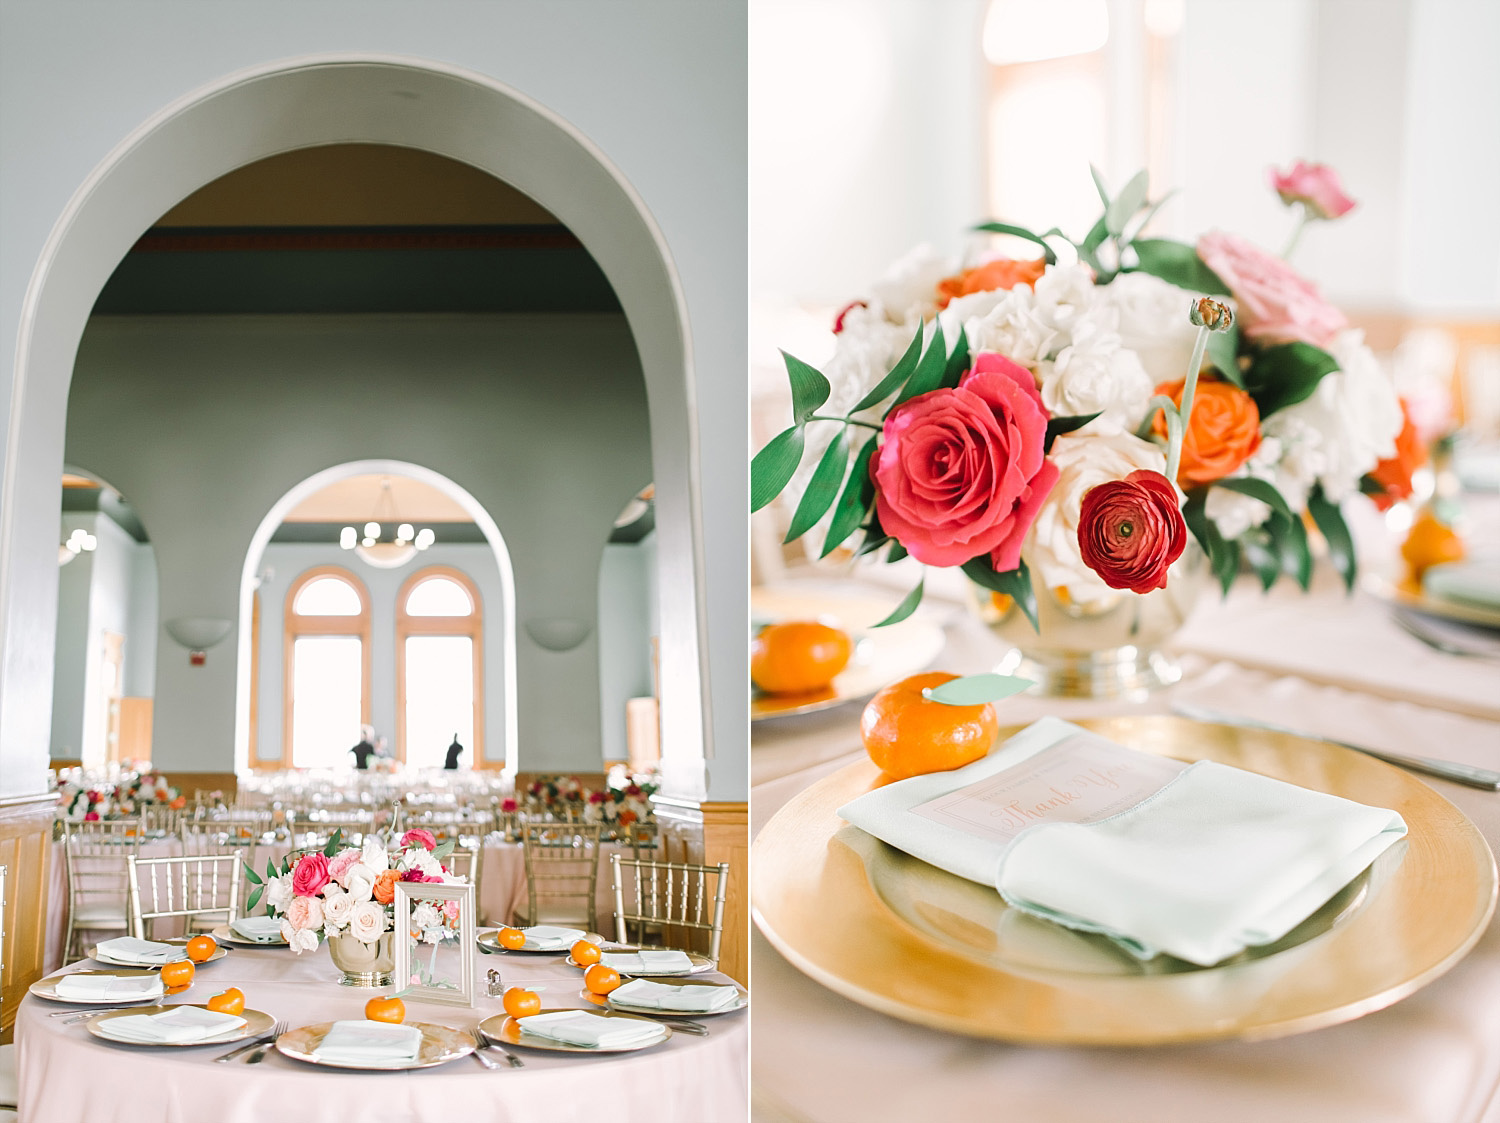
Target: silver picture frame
<point>453,988</point>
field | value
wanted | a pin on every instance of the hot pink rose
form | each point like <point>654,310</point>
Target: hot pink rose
<point>507,805</point>
<point>304,913</point>
<point>1276,303</point>
<point>91,817</point>
<point>1130,531</point>
<point>310,875</point>
<point>418,837</point>
<point>961,472</point>
<point>338,867</point>
<point>1315,186</point>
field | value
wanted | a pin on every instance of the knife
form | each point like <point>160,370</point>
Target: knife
<point>1469,774</point>
<point>259,1041</point>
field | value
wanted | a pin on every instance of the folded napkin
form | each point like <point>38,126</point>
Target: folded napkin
<point>144,953</point>
<point>576,1027</point>
<point>663,996</point>
<point>1201,865</point>
<point>1469,582</point>
<point>367,1042</point>
<point>109,988</point>
<point>261,929</point>
<point>177,1026</point>
<point>549,937</point>
<point>648,962</point>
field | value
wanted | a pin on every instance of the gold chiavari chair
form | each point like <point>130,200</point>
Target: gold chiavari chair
<point>668,896</point>
<point>96,856</point>
<point>193,886</point>
<point>643,840</point>
<point>562,872</point>
<point>9,1085</point>
<point>468,862</point>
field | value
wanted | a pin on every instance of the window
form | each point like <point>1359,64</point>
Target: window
<point>439,669</point>
<point>327,667</point>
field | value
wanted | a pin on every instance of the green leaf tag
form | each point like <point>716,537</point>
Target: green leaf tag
<point>976,690</point>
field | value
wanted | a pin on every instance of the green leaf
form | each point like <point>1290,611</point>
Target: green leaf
<point>1057,426</point>
<point>1179,264</point>
<point>958,362</point>
<point>1223,353</point>
<point>1151,213</point>
<point>444,848</point>
<point>333,843</point>
<point>251,875</point>
<point>270,870</point>
<point>809,388</point>
<point>1223,555</point>
<point>1020,232</point>
<point>906,607</point>
<point>897,376</point>
<point>976,690</point>
<point>875,538</point>
<point>773,466</point>
<point>823,488</point>
<point>1262,556</point>
<point>1088,251</point>
<point>254,898</point>
<point>1289,537</point>
<point>850,510</point>
<point>1117,213</point>
<point>1099,186</point>
<point>897,551</point>
<point>1013,583</point>
<point>1330,521</point>
<point>929,373</point>
<point>1258,489</point>
<point>1286,374</point>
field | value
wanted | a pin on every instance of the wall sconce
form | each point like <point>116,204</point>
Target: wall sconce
<point>198,634</point>
<point>557,633</point>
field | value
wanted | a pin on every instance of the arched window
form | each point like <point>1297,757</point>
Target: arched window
<point>439,668</point>
<point>327,667</point>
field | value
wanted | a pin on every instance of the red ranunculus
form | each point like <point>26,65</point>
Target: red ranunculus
<point>961,472</point>
<point>310,875</point>
<point>418,837</point>
<point>1130,531</point>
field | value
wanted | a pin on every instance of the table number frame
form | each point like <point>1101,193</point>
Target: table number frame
<point>410,894</point>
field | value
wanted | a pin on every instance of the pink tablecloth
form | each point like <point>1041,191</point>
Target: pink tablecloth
<point>67,1075</point>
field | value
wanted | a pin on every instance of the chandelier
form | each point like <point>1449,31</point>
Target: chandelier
<point>373,547</point>
<point>80,541</point>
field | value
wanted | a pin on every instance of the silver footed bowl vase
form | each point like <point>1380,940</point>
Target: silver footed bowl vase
<point>363,965</point>
<point>1109,648</point>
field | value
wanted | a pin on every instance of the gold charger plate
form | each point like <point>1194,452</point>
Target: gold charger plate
<point>881,655</point>
<point>256,1023</point>
<point>219,953</point>
<point>440,1044</point>
<point>506,1030</point>
<point>912,941</point>
<point>47,988</point>
<point>1416,599</point>
<point>224,934</point>
<point>492,945</point>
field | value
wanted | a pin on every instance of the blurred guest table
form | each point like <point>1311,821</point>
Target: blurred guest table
<point>66,1074</point>
<point>1323,663</point>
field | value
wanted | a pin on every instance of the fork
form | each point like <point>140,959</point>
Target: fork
<point>488,1042</point>
<point>1435,640</point>
<point>265,1046</point>
<point>479,1046</point>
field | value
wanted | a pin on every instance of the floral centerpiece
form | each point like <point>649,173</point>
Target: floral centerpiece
<point>346,893</point>
<point>970,416</point>
<point>562,797</point>
<point>126,798</point>
<point>624,801</point>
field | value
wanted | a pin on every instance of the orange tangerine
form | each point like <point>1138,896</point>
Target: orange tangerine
<point>381,1009</point>
<point>601,979</point>
<point>201,948</point>
<point>908,735</point>
<point>231,1001</point>
<point>178,973</point>
<point>511,938</point>
<point>798,656</point>
<point>1430,542</point>
<point>522,1003</point>
<point>585,954</point>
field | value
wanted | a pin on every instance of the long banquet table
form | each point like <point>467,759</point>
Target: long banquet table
<point>1328,664</point>
<point>68,1075</point>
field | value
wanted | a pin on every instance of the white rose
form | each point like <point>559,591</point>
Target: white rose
<point>374,855</point>
<point>1083,460</point>
<point>337,905</point>
<point>424,861</point>
<point>425,916</point>
<point>1094,374</point>
<point>367,921</point>
<point>1064,294</point>
<point>909,287</point>
<point>361,882</point>
<point>1153,322</point>
<point>279,892</point>
<point>304,939</point>
<point>1013,328</point>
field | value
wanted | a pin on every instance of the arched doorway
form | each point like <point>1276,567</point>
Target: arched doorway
<point>359,99</point>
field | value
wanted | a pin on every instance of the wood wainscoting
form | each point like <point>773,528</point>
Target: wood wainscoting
<point>25,849</point>
<point>707,834</point>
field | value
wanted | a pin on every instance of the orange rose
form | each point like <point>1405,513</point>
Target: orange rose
<point>385,886</point>
<point>1002,273</point>
<point>1222,434</point>
<point>1394,474</point>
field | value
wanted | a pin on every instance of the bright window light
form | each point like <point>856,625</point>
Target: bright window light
<point>327,689</point>
<point>1030,30</point>
<point>439,697</point>
<point>439,596</point>
<point>327,596</point>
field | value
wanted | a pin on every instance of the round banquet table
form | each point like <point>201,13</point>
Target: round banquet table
<point>1331,664</point>
<point>67,1074</point>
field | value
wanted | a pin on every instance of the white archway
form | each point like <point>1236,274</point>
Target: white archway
<point>330,99</point>
<point>315,483</point>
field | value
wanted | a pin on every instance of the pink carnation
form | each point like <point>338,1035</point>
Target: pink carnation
<point>1276,303</point>
<point>338,868</point>
<point>417,875</point>
<point>418,837</point>
<point>310,875</point>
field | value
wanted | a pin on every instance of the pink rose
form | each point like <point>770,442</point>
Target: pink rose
<point>418,837</point>
<point>1277,304</point>
<point>91,817</point>
<point>507,805</point>
<point>961,472</point>
<point>1315,186</point>
<point>450,910</point>
<point>310,875</point>
<point>338,868</point>
<point>304,913</point>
